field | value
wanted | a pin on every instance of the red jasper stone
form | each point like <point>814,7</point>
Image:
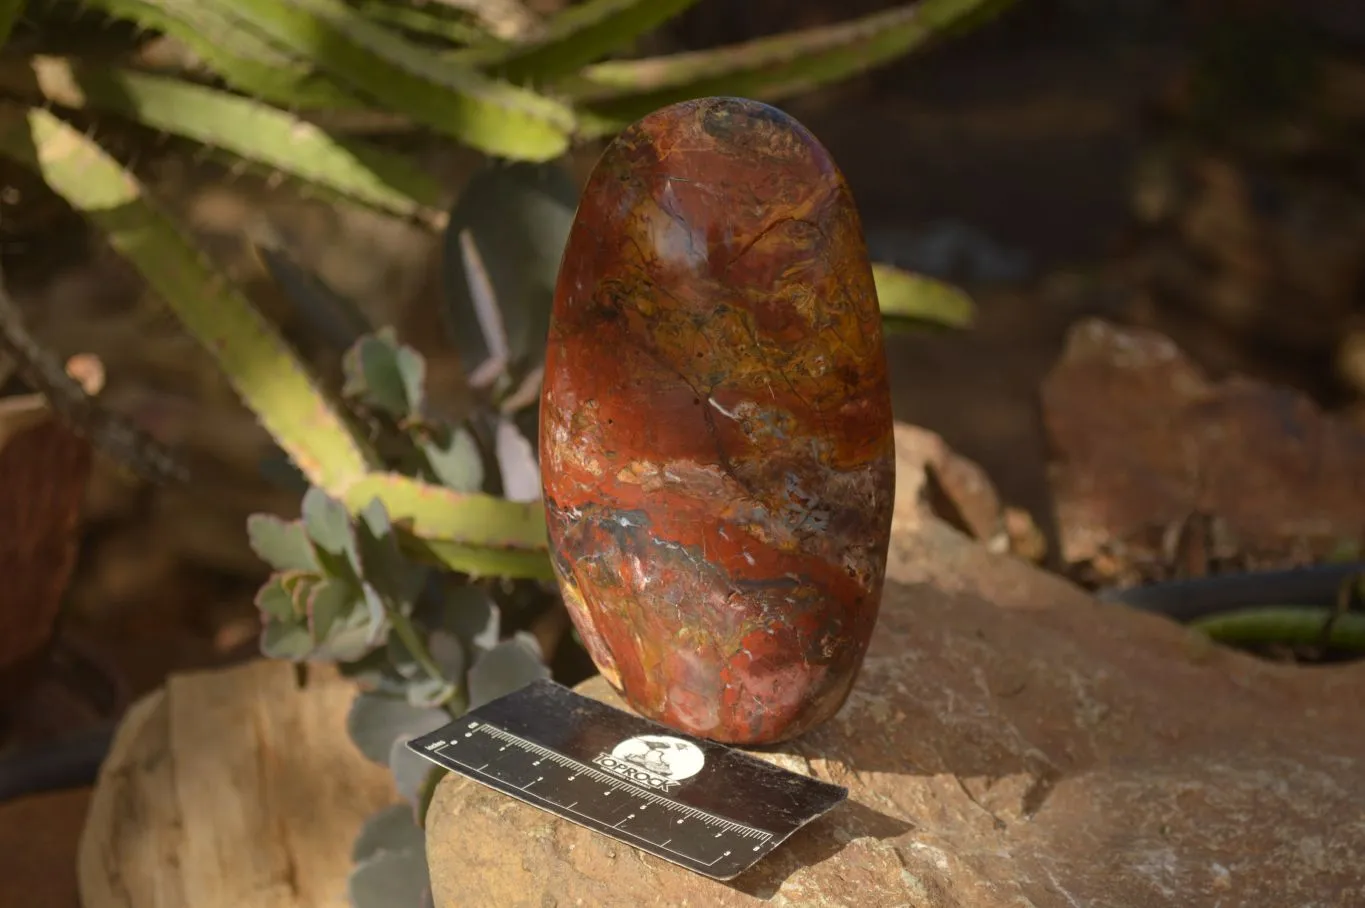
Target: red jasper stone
<point>715,426</point>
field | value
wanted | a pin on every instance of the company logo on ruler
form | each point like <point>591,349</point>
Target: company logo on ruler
<point>659,762</point>
<point>698,804</point>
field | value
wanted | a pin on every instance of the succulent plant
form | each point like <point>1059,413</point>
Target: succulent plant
<point>422,648</point>
<point>422,639</point>
<point>419,534</point>
<point>291,87</point>
<point>423,643</point>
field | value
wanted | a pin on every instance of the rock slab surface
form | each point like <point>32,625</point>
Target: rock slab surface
<point>1009,742</point>
<point>231,789</point>
<point>1144,440</point>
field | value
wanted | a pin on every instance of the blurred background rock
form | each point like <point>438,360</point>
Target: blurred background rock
<point>1192,167</point>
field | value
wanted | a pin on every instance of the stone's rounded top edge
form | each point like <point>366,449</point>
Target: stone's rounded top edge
<point>733,126</point>
<point>718,103</point>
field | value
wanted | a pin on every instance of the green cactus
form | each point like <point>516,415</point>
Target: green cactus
<point>912,300</point>
<point>494,117</point>
<point>613,94</point>
<point>468,532</point>
<point>245,60</point>
<point>577,36</point>
<point>345,590</point>
<point>266,373</point>
<point>429,21</point>
<point>257,133</point>
<point>416,531</point>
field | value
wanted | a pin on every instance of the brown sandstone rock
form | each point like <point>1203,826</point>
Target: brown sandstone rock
<point>231,789</point>
<point>1010,742</point>
<point>1143,441</point>
<point>44,467</point>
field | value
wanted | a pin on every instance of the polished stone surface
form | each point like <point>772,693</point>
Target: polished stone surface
<point>716,428</point>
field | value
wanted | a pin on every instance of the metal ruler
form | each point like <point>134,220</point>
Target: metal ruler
<point>696,803</point>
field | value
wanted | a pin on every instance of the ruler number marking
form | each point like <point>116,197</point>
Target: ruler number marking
<point>613,784</point>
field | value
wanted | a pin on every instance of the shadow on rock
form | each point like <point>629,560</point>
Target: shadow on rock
<point>1009,741</point>
<point>819,841</point>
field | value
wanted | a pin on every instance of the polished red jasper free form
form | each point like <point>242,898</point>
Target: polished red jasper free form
<point>716,430</point>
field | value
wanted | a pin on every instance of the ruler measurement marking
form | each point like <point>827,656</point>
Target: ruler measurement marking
<point>579,768</point>
<point>619,785</point>
<point>561,781</point>
<point>595,822</point>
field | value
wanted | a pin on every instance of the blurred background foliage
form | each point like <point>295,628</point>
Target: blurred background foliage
<point>297,176</point>
<point>419,560</point>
